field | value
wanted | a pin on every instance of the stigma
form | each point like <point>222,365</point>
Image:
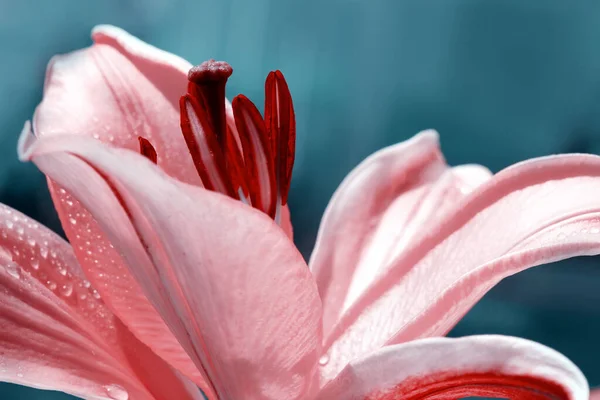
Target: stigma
<point>237,151</point>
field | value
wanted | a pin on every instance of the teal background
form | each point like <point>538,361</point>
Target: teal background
<point>501,80</point>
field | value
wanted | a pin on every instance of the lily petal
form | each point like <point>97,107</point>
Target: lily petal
<point>230,284</point>
<point>536,212</point>
<point>382,207</point>
<point>442,368</point>
<point>56,333</point>
<point>113,91</point>
<point>167,71</point>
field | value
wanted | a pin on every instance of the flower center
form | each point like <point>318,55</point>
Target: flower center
<point>235,151</point>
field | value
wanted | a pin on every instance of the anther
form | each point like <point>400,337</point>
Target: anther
<point>147,150</point>
<point>207,84</point>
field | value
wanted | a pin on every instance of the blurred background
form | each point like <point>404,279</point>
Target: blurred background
<point>501,80</point>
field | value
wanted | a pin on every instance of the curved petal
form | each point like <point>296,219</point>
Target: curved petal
<point>230,284</point>
<point>442,368</point>
<point>595,395</point>
<point>56,333</point>
<point>167,71</point>
<point>536,212</point>
<point>381,207</point>
<point>116,90</point>
<point>112,91</point>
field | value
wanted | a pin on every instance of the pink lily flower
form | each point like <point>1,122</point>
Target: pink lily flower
<point>181,272</point>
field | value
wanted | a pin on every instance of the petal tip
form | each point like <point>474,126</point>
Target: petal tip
<point>431,134</point>
<point>26,141</point>
<point>104,30</point>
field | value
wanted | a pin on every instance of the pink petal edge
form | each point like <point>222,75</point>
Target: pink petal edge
<point>165,70</point>
<point>442,368</point>
<point>355,209</point>
<point>383,206</point>
<point>535,212</point>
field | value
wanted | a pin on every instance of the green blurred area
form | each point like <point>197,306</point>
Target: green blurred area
<point>501,80</point>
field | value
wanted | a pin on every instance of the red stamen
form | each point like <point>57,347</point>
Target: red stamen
<point>207,84</point>
<point>281,129</point>
<point>257,154</point>
<point>246,158</point>
<point>235,166</point>
<point>204,147</point>
<point>147,150</point>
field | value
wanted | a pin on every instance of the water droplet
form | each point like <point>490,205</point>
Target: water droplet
<point>561,236</point>
<point>83,296</point>
<point>20,230</point>
<point>96,294</point>
<point>73,221</point>
<point>13,270</point>
<point>44,252</point>
<point>62,191</point>
<point>324,359</point>
<point>595,230</point>
<point>86,284</point>
<point>35,264</point>
<point>19,375</point>
<point>51,285</point>
<point>31,242</point>
<point>62,271</point>
<point>9,224</point>
<point>66,289</point>
<point>116,392</point>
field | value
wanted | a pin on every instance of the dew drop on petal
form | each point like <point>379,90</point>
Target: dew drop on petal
<point>66,289</point>
<point>116,392</point>
<point>595,230</point>
<point>13,270</point>
<point>73,221</point>
<point>324,359</point>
